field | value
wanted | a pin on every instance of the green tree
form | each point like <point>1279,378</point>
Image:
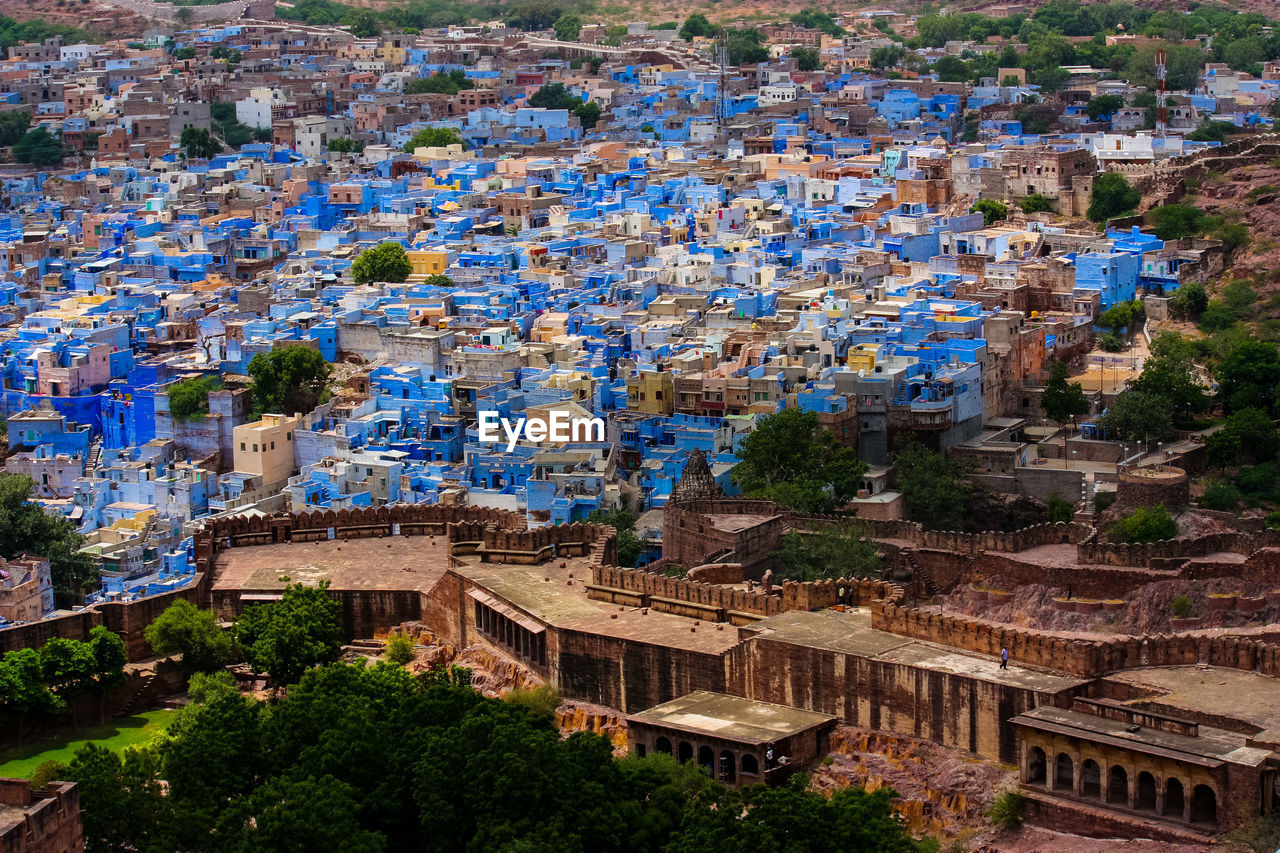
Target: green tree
<point>1248,375</point>
<point>1059,510</point>
<point>933,488</point>
<point>189,398</point>
<point>288,380</point>
<point>1170,373</point>
<point>1211,131</point>
<point>438,280</point>
<point>630,545</point>
<point>1189,302</point>
<point>1112,195</point>
<point>696,26</point>
<point>889,56</point>
<point>568,27</point>
<point>533,15</point>
<point>365,24</point>
<point>554,96</point>
<point>384,262</point>
<point>281,816</point>
<point>443,83</point>
<point>1102,105</point>
<point>185,52</point>
<point>38,147</point>
<point>25,528</point>
<point>199,143</point>
<point>1138,416</point>
<point>992,211</point>
<point>806,58</point>
<point>285,638</point>
<point>1144,524</point>
<point>1063,400</point>
<point>1035,203</point>
<point>746,46</point>
<point>400,649</point>
<point>588,112</point>
<point>433,137</point>
<point>193,633</point>
<point>13,126</point>
<point>345,145</point>
<point>23,690</point>
<point>835,551</point>
<point>789,458</point>
<point>123,806</point>
<point>1175,221</point>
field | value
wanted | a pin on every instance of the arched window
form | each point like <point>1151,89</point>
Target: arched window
<point>1118,786</point>
<point>1064,773</point>
<point>750,765</point>
<point>1035,766</point>
<point>641,750</point>
<point>1090,779</point>
<point>707,758</point>
<point>1145,799</point>
<point>1174,802</point>
<point>686,751</point>
<point>728,767</point>
<point>1204,805</point>
<point>662,745</point>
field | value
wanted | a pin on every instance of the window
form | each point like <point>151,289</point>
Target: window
<point>242,445</point>
<point>273,445</point>
<point>255,448</point>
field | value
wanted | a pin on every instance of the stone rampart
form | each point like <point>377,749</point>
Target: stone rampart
<point>1049,533</point>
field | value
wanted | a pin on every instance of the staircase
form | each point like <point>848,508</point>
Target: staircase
<point>133,700</point>
<point>95,455</point>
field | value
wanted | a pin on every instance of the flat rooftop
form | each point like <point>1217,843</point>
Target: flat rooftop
<point>732,718</point>
<point>548,594</point>
<point>851,633</point>
<point>1211,748</point>
<point>392,563</point>
<point>1195,690</point>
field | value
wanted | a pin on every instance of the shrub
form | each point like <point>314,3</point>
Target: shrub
<point>1181,607</point>
<point>1144,524</point>
<point>541,700</point>
<point>1059,509</point>
<point>1006,811</point>
<point>1272,521</point>
<point>400,649</point>
<point>1102,501</point>
<point>1222,496</point>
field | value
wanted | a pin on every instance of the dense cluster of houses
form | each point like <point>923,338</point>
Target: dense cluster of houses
<point>696,259</point>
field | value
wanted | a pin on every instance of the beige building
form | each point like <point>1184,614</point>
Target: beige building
<point>26,588</point>
<point>265,448</point>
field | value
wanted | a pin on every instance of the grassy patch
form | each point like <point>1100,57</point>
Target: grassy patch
<point>21,762</point>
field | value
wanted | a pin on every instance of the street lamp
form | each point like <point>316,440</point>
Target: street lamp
<point>1159,453</point>
<point>1074,453</point>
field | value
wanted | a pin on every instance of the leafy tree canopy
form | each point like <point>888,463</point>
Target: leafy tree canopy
<point>1112,195</point>
<point>285,638</point>
<point>384,262</point>
<point>189,398</point>
<point>370,758</point>
<point>992,211</point>
<point>933,488</point>
<point>834,551</point>
<point>433,137</point>
<point>1063,400</point>
<point>199,143</point>
<point>288,380</point>
<point>789,458</point>
<point>193,633</point>
<point>25,528</point>
<point>697,26</point>
<point>1138,416</point>
<point>38,147</point>
<point>1144,524</point>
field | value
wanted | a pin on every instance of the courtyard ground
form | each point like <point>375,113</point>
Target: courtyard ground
<point>136,730</point>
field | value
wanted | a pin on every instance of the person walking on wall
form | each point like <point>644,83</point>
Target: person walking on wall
<point>1004,658</point>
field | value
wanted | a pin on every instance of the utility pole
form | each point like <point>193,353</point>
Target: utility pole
<point>722,85</point>
<point>1160,75</point>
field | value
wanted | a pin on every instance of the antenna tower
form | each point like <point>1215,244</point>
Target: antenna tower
<point>1160,75</point>
<point>722,85</point>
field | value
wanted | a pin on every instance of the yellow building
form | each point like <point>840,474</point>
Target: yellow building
<point>427,262</point>
<point>863,357</point>
<point>651,392</point>
<point>265,448</point>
